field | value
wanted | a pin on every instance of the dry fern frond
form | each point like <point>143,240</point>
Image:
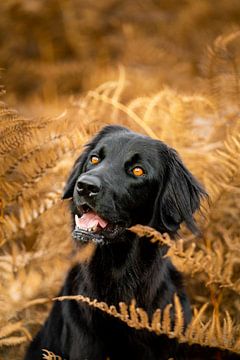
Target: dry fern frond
<point>222,71</point>
<point>31,166</point>
<point>226,163</point>
<point>13,341</point>
<point>167,321</point>
<point>187,260</point>
<point>49,355</point>
<point>29,212</point>
<point>179,318</point>
<point>154,235</point>
<point>6,337</point>
<point>214,262</point>
<point>168,110</point>
<point>210,333</point>
<point>117,105</point>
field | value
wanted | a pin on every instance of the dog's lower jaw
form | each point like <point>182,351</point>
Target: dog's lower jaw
<point>83,236</point>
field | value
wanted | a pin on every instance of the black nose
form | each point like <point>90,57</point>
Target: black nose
<point>88,185</point>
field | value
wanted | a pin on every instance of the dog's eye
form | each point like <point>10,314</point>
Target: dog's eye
<point>138,171</point>
<point>95,159</point>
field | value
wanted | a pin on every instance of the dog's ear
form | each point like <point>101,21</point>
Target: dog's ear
<point>75,173</point>
<point>180,195</point>
<point>79,163</point>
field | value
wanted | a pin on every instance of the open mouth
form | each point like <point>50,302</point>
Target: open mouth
<point>90,226</point>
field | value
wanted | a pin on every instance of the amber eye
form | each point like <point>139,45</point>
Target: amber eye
<point>95,160</point>
<point>138,171</point>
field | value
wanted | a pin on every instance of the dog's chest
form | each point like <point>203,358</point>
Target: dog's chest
<point>120,274</point>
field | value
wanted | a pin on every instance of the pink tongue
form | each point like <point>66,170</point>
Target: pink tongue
<point>90,220</point>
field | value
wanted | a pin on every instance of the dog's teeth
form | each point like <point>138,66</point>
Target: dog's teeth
<point>76,219</point>
<point>93,228</point>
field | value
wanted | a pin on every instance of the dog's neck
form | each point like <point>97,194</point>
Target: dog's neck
<point>134,268</point>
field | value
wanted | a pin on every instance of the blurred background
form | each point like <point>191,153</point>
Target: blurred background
<point>50,50</point>
<point>167,68</point>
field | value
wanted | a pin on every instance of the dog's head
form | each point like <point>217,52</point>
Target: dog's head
<point>124,178</point>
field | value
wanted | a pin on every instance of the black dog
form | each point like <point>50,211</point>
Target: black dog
<point>121,179</point>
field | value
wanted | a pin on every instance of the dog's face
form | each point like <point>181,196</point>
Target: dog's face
<point>124,178</point>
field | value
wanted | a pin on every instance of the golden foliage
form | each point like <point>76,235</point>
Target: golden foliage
<point>201,121</point>
<point>160,42</point>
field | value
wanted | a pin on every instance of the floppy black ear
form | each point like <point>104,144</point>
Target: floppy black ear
<point>75,173</point>
<point>180,195</point>
<point>79,163</point>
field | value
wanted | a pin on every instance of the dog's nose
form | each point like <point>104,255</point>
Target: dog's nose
<point>88,185</point>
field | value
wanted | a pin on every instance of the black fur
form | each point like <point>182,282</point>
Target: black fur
<point>125,267</point>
